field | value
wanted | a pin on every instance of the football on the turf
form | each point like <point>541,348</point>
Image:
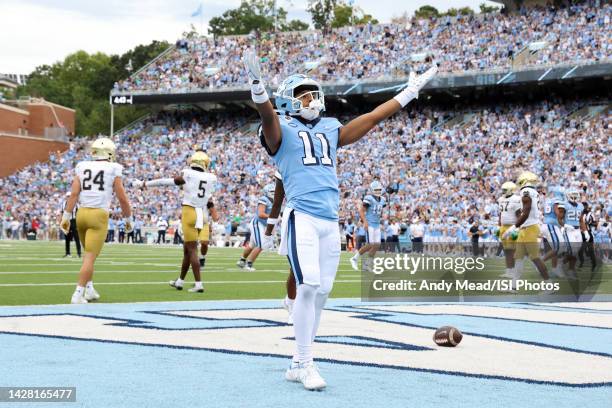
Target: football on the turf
<point>447,336</point>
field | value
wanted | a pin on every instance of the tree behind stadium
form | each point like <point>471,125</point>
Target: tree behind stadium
<point>82,81</point>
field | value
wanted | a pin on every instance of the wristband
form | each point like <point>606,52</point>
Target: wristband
<point>406,96</point>
<point>259,93</point>
<point>272,221</point>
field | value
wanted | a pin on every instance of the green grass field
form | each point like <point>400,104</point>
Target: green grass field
<point>37,273</point>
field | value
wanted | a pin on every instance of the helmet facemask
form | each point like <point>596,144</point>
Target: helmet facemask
<point>292,90</point>
<point>316,105</point>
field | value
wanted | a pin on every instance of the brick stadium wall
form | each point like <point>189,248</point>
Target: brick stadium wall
<point>19,152</point>
<point>13,120</point>
<point>41,117</point>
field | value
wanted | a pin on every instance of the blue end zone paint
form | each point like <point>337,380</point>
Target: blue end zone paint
<point>158,375</point>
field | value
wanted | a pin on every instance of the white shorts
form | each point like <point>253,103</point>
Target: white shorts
<point>556,238</point>
<point>373,235</point>
<point>257,230</point>
<point>574,237</point>
<point>312,246</point>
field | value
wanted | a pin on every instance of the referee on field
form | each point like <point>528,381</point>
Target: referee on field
<point>72,233</point>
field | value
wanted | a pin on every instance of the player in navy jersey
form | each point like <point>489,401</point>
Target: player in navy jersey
<point>303,146</point>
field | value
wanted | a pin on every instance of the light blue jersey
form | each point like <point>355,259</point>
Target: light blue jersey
<point>550,218</point>
<point>573,211</point>
<point>306,159</point>
<point>268,203</point>
<point>374,209</point>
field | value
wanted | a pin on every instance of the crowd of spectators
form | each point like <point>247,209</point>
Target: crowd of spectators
<point>446,175</point>
<point>474,42</point>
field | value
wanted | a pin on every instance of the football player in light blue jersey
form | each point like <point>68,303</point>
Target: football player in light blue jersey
<point>573,208</point>
<point>303,146</point>
<point>370,213</point>
<point>554,200</point>
<point>574,218</point>
<point>257,228</point>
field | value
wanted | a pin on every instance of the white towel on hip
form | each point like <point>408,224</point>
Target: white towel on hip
<point>199,224</point>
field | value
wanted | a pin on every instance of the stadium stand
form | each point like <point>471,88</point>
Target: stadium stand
<point>447,174</point>
<point>445,157</point>
<point>464,43</point>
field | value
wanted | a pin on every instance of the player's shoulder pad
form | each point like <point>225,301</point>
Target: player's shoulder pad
<point>329,124</point>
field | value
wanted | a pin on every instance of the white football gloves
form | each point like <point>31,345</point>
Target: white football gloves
<point>137,183</point>
<point>509,232</point>
<point>65,223</point>
<point>253,69</point>
<point>129,224</point>
<point>267,242</point>
<point>415,84</point>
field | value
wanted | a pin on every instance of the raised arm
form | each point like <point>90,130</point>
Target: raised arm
<point>126,209</point>
<point>269,120</point>
<point>358,127</point>
<point>160,182</point>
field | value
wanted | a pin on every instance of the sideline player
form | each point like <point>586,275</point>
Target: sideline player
<point>198,187</point>
<point>93,186</point>
<point>268,243</point>
<point>370,213</point>
<point>303,146</point>
<point>528,227</point>
<point>509,206</point>
<point>256,227</point>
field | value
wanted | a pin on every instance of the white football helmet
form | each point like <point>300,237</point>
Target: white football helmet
<point>376,188</point>
<point>508,188</point>
<point>103,149</point>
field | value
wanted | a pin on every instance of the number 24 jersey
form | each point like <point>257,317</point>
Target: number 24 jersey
<point>97,178</point>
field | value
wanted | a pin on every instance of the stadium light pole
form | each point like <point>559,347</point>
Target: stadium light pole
<point>112,121</point>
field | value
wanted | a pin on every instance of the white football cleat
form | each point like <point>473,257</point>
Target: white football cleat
<point>249,268</point>
<point>309,376</point>
<point>354,263</point>
<point>78,300</point>
<point>196,290</point>
<point>240,264</point>
<point>292,372</point>
<point>175,286</point>
<point>91,294</point>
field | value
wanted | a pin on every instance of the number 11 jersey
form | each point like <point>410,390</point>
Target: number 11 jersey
<point>306,159</point>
